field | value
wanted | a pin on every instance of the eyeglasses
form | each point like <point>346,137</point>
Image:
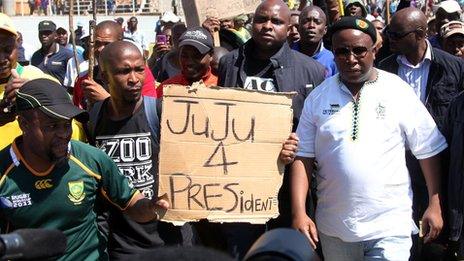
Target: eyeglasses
<point>396,35</point>
<point>358,51</point>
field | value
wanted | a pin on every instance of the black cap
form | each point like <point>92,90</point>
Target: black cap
<point>198,37</point>
<point>47,26</point>
<point>49,97</point>
<point>354,22</point>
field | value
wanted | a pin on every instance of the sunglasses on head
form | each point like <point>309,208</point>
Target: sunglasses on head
<point>358,52</point>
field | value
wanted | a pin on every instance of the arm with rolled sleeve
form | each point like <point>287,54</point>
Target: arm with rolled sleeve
<point>425,142</point>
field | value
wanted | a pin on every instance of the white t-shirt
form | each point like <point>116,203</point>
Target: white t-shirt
<point>363,183</point>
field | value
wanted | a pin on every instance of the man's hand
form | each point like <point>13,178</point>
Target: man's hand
<point>289,149</point>
<point>160,206</point>
<point>12,86</point>
<point>9,98</point>
<point>212,24</point>
<point>142,209</point>
<point>160,49</point>
<point>93,91</point>
<point>432,221</point>
<point>306,226</point>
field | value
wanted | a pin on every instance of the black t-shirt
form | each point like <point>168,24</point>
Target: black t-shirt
<point>129,143</point>
<point>258,74</point>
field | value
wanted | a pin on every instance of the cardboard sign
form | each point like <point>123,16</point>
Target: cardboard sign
<point>219,157</point>
<point>196,11</point>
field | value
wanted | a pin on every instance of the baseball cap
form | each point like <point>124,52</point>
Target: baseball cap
<point>170,17</point>
<point>450,6</point>
<point>47,25</point>
<point>6,24</point>
<point>198,37</point>
<point>451,28</point>
<point>354,22</point>
<point>49,97</point>
<point>61,30</point>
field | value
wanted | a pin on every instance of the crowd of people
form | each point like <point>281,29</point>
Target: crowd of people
<point>374,162</point>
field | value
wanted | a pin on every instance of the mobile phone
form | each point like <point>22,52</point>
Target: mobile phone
<point>161,39</point>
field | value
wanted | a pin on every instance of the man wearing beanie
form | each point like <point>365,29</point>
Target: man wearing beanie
<point>357,126</point>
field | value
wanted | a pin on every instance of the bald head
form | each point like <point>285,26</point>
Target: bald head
<point>269,28</point>
<point>409,19</point>
<point>407,32</point>
<point>110,27</point>
<point>117,52</point>
<point>123,69</point>
<point>277,5</point>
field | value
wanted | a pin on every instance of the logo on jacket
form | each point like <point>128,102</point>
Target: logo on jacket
<point>334,108</point>
<point>43,184</point>
<point>76,191</point>
<point>16,201</point>
<point>380,110</point>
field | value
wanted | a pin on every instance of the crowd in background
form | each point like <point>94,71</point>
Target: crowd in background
<point>411,56</point>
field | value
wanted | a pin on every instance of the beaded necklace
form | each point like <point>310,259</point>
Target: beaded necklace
<point>357,107</point>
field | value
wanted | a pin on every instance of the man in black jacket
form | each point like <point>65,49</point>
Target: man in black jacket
<point>453,131</point>
<point>436,77</point>
<point>267,63</point>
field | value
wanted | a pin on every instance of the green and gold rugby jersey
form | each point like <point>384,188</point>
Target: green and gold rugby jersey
<point>62,197</point>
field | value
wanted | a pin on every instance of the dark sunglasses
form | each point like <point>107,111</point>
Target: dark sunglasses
<point>396,35</point>
<point>358,52</point>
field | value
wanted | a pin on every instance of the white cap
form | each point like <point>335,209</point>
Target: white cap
<point>169,16</point>
<point>450,6</point>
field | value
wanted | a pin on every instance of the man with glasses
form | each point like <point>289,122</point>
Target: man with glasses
<point>357,125</point>
<point>435,76</point>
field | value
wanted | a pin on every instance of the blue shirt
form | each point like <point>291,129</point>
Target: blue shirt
<point>324,57</point>
<point>416,75</point>
<point>53,64</point>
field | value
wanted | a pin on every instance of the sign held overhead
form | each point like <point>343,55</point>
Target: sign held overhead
<point>219,157</point>
<point>196,11</point>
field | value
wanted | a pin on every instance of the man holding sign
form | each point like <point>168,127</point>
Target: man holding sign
<point>266,63</point>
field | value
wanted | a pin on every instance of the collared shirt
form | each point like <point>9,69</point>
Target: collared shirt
<point>323,56</point>
<point>138,37</point>
<point>208,79</point>
<point>53,64</point>
<point>416,75</point>
<point>363,184</point>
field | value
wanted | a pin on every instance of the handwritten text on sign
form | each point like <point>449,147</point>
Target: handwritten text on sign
<point>219,153</point>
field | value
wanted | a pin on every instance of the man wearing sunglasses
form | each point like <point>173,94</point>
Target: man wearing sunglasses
<point>357,126</point>
<point>435,76</point>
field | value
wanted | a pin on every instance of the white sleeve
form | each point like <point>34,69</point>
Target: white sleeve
<point>70,74</point>
<point>422,134</point>
<point>144,43</point>
<point>306,131</point>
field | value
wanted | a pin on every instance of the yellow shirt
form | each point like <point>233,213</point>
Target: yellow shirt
<point>10,131</point>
